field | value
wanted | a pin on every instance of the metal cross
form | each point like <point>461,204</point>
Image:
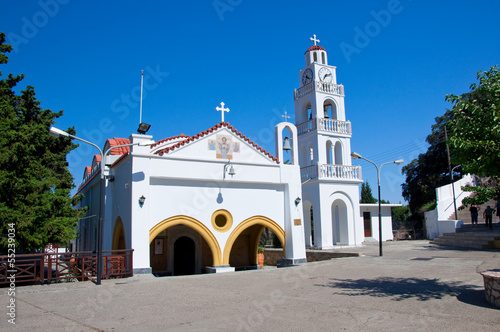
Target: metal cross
<point>313,38</point>
<point>222,109</point>
<point>286,117</point>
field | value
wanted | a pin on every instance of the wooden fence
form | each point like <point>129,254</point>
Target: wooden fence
<point>69,266</point>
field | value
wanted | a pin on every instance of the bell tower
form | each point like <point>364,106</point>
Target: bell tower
<point>330,183</point>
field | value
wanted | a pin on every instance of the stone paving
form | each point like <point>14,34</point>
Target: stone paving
<point>415,286</point>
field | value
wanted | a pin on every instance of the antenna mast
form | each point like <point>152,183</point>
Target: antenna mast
<point>140,107</point>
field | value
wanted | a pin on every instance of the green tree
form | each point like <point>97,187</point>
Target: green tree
<point>475,133</point>
<point>428,171</point>
<point>366,194</point>
<point>35,182</point>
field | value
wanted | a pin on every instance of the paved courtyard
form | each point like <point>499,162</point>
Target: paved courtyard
<point>415,286</point>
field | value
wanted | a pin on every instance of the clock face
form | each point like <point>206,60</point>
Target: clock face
<point>307,76</point>
<point>325,75</point>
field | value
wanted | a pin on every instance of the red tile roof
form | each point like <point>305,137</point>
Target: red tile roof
<point>168,139</point>
<point>315,48</point>
<point>208,131</point>
<point>87,171</point>
<point>118,141</point>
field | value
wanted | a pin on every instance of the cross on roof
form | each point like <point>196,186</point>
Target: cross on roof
<point>222,109</point>
<point>313,38</point>
<point>286,117</point>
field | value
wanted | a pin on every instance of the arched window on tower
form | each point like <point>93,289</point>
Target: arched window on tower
<point>329,110</point>
<point>323,61</point>
<point>329,153</point>
<point>303,156</point>
<point>338,154</point>
<point>307,112</point>
<point>311,155</point>
<point>315,56</point>
<point>287,147</point>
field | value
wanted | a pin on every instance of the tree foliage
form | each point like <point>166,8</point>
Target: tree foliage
<point>429,171</point>
<point>366,194</point>
<point>475,133</point>
<point>35,182</point>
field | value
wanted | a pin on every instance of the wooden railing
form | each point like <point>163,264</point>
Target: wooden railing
<point>69,266</point>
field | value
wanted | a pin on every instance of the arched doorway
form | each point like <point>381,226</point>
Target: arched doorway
<point>241,246</point>
<point>340,234</point>
<point>184,256</point>
<point>118,236</point>
<point>166,251</point>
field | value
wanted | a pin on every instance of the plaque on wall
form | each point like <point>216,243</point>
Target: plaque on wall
<point>297,222</point>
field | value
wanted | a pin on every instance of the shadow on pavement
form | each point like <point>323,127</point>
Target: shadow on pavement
<point>405,288</point>
<point>474,297</point>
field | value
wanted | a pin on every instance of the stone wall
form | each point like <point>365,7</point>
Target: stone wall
<point>492,287</point>
<point>273,255</point>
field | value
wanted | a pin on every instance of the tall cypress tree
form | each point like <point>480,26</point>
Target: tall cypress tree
<point>366,194</point>
<point>35,182</point>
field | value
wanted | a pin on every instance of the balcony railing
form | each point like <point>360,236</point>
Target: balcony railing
<point>334,126</point>
<point>333,172</point>
<point>336,89</point>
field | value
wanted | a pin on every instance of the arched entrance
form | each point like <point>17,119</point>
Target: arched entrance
<point>184,256</point>
<point>241,246</point>
<point>182,239</point>
<point>340,234</point>
<point>118,236</point>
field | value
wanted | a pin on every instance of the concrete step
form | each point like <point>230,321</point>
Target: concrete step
<point>476,240</point>
<point>481,227</point>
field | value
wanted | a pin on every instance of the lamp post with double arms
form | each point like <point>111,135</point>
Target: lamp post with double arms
<point>355,155</point>
<point>54,132</point>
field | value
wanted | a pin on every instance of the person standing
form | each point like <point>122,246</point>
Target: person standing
<point>488,215</point>
<point>473,214</point>
<point>498,209</point>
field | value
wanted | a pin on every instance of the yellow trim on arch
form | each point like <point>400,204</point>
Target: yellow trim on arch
<point>194,224</point>
<point>255,220</point>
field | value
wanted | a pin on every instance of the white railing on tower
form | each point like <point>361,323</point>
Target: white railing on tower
<point>334,172</point>
<point>334,126</point>
<point>337,89</point>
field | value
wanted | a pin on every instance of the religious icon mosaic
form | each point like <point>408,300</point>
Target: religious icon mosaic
<point>224,146</point>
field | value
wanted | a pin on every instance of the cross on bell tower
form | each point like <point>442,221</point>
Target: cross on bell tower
<point>222,110</point>
<point>313,38</point>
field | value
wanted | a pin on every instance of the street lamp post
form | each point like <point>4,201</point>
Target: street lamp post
<point>355,155</point>
<point>54,132</point>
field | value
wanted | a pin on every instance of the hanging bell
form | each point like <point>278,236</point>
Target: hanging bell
<point>326,114</point>
<point>286,144</point>
<point>231,171</point>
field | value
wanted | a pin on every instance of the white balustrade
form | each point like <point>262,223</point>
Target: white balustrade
<point>337,89</point>
<point>334,126</point>
<point>334,172</point>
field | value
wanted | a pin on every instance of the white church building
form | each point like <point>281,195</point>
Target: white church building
<point>195,204</point>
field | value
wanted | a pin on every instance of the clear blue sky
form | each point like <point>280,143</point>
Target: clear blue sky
<point>85,57</point>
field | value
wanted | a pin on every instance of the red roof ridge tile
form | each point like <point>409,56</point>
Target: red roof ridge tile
<point>210,130</point>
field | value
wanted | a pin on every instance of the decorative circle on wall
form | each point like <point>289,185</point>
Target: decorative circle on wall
<point>222,220</point>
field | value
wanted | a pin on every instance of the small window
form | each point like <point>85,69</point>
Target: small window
<point>222,220</point>
<point>323,61</point>
<point>315,55</point>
